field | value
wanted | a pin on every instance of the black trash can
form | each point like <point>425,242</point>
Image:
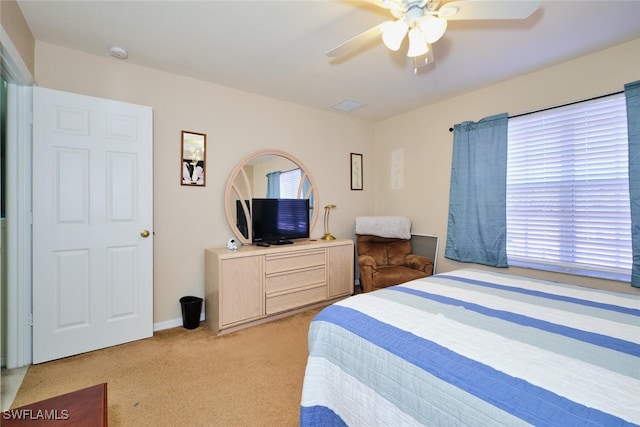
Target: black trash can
<point>191,308</point>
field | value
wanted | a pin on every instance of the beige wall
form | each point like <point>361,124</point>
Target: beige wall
<point>186,219</point>
<point>238,123</point>
<point>13,23</point>
<point>423,135</point>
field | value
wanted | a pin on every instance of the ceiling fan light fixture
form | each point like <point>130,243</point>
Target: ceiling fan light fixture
<point>417,43</point>
<point>393,32</point>
<point>426,22</point>
<point>433,28</point>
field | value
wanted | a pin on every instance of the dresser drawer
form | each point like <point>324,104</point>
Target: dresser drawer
<point>295,279</point>
<point>286,261</point>
<point>285,301</point>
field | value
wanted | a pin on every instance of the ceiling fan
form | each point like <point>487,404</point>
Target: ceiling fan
<point>425,21</point>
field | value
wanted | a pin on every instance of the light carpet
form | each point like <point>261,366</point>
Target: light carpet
<point>252,377</point>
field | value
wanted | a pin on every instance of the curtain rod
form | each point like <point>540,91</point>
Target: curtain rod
<point>563,105</point>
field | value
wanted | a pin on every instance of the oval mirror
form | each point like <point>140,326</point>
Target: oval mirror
<point>270,174</point>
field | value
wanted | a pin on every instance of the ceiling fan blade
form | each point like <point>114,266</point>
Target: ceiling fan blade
<point>490,9</point>
<point>354,43</point>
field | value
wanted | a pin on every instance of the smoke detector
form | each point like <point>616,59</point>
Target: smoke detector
<point>118,52</point>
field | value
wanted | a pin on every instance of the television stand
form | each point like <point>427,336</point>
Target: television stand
<point>255,284</point>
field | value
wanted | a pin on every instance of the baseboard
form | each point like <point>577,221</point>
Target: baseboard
<point>171,323</point>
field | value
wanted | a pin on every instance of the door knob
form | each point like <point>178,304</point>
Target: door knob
<point>144,233</point>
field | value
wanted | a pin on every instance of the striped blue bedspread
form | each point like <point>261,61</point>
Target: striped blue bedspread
<point>475,348</point>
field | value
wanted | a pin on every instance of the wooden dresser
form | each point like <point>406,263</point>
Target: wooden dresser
<point>256,284</point>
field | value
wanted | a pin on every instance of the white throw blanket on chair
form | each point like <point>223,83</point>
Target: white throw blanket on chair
<point>384,226</point>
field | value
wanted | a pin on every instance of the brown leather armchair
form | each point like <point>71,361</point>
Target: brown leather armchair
<point>387,261</point>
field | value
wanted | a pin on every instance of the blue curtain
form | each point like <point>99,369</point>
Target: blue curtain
<point>306,186</point>
<point>477,224</point>
<point>632,96</point>
<point>273,185</point>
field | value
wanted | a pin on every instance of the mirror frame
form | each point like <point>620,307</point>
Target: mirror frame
<point>232,189</point>
<point>188,141</point>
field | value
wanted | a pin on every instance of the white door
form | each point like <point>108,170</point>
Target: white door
<point>92,224</point>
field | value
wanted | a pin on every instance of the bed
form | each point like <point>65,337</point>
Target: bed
<point>475,348</point>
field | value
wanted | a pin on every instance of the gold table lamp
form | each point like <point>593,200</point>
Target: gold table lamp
<point>327,234</point>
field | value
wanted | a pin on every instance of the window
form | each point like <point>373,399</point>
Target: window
<point>568,190</point>
<point>289,183</point>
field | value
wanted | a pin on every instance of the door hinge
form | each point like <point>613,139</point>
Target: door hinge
<point>29,319</point>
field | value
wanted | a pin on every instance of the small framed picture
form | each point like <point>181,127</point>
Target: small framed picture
<point>193,159</point>
<point>356,171</point>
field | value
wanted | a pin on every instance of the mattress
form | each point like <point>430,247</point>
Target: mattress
<point>475,348</point>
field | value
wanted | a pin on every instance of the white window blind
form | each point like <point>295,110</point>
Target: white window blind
<point>568,190</point>
<point>289,183</point>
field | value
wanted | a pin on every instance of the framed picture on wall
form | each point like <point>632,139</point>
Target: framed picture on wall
<point>356,171</point>
<point>193,172</point>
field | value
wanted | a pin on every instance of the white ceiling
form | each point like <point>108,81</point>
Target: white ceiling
<point>276,48</point>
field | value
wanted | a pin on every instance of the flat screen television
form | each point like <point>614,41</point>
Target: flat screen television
<point>279,221</point>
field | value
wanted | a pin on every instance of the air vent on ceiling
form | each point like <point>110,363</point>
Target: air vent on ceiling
<point>347,105</point>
